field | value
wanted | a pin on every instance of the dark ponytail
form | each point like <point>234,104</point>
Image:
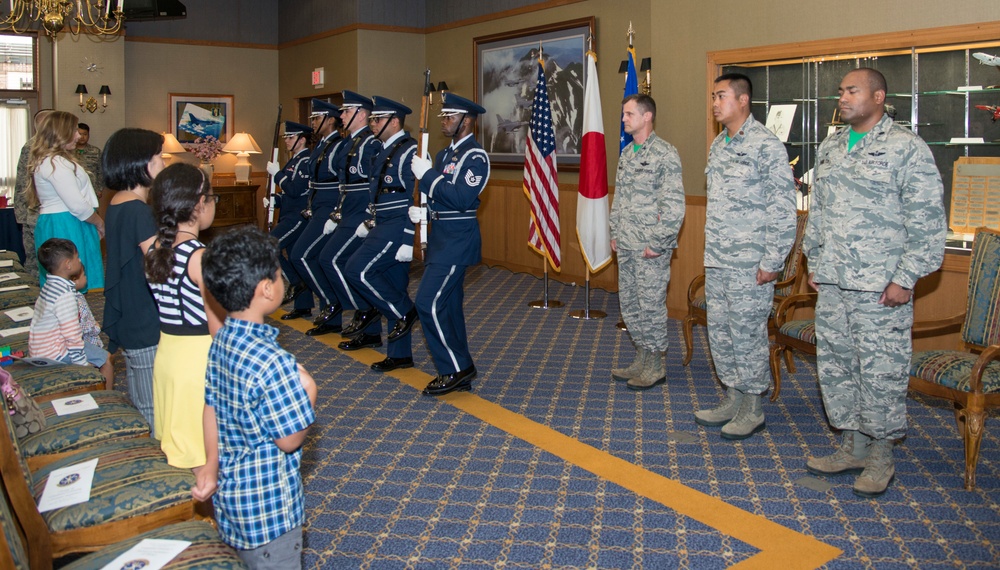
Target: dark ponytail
<point>173,198</point>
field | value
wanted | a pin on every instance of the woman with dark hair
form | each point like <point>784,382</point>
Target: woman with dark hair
<point>183,205</point>
<point>61,189</point>
<point>131,161</point>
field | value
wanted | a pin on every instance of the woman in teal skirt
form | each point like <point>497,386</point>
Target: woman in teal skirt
<point>62,191</point>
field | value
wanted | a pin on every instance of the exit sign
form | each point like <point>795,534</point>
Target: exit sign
<point>317,78</point>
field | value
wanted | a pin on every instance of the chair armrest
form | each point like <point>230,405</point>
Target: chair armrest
<point>789,303</point>
<point>991,353</point>
<point>697,284</point>
<point>921,327</point>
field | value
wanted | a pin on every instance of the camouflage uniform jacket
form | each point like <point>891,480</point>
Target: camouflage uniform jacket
<point>21,211</point>
<point>877,214</point>
<point>648,207</point>
<point>750,220</point>
<point>90,157</point>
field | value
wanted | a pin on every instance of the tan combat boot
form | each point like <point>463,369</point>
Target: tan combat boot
<point>633,370</point>
<point>721,414</point>
<point>749,419</point>
<point>653,373</point>
<point>849,457</point>
<point>879,470</point>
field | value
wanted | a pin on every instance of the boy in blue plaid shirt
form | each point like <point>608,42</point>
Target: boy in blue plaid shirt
<point>258,407</point>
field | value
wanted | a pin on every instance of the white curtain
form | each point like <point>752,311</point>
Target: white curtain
<point>13,135</point>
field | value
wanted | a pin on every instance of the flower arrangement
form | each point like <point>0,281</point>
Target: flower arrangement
<point>207,148</point>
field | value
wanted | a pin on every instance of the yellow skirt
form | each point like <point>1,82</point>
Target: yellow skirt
<point>179,398</point>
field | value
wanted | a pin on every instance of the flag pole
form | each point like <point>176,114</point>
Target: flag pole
<point>586,314</point>
<point>545,303</point>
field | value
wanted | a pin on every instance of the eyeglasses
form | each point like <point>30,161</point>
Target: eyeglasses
<point>212,197</point>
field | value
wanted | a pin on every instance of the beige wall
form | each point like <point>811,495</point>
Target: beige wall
<point>338,55</point>
<point>392,65</point>
<point>70,57</point>
<point>155,70</point>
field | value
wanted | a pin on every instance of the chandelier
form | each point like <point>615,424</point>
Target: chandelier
<point>90,16</point>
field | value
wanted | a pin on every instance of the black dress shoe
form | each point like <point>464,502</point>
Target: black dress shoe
<point>403,325</point>
<point>460,381</point>
<point>292,292</point>
<point>297,314</point>
<point>326,313</point>
<point>363,341</point>
<point>324,329</point>
<point>391,363</point>
<point>361,321</point>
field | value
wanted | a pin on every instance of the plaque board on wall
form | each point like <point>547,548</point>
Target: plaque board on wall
<point>975,194</point>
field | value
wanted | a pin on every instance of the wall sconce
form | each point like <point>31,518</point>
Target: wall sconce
<point>170,145</point>
<point>243,145</point>
<point>442,87</point>
<point>104,92</point>
<point>647,85</point>
<point>91,104</point>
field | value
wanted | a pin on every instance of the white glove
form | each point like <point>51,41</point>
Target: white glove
<point>273,167</point>
<point>405,253</point>
<point>420,166</point>
<point>267,202</point>
<point>418,214</point>
<point>362,231</point>
<point>329,226</point>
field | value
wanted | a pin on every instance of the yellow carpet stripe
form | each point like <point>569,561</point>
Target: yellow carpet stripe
<point>779,547</point>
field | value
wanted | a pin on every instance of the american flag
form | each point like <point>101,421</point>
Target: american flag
<point>541,181</point>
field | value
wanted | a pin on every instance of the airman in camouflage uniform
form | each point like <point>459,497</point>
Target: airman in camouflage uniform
<point>749,229</point>
<point>877,225</point>
<point>646,215</point>
<point>24,215</point>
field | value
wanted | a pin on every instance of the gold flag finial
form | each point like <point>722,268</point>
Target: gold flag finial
<point>631,33</point>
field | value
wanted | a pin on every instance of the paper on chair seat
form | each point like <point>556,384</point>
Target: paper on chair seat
<point>149,554</point>
<point>8,276</point>
<point>14,332</point>
<point>20,314</point>
<point>12,287</point>
<point>6,263</point>
<point>74,404</point>
<point>68,486</point>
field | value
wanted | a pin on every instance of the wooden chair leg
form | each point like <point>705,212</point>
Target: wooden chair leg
<point>688,339</point>
<point>972,437</point>
<point>789,361</point>
<point>775,360</point>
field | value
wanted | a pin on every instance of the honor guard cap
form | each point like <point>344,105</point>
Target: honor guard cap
<point>353,100</point>
<point>389,108</point>
<point>321,107</point>
<point>455,105</point>
<point>293,129</point>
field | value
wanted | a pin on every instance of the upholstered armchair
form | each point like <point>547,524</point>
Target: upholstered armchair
<point>970,376</point>
<point>791,334</point>
<point>788,282</point>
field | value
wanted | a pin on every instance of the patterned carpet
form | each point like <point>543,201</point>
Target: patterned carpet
<point>550,464</point>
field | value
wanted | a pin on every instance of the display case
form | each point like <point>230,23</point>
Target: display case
<point>935,83</point>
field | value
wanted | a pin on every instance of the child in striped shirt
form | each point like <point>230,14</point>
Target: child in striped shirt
<point>55,331</point>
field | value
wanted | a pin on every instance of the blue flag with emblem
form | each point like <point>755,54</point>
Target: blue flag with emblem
<point>631,88</point>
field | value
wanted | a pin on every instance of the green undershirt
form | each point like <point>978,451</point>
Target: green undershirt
<point>853,138</point>
<point>636,146</point>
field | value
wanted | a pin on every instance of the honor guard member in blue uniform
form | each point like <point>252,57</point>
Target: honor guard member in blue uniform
<point>380,268</point>
<point>324,194</point>
<point>292,183</point>
<point>452,187</point>
<point>354,160</point>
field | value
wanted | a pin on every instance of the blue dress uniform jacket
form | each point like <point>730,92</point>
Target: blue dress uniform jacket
<point>453,186</point>
<point>373,270</point>
<point>293,180</point>
<point>354,161</point>
<point>325,191</point>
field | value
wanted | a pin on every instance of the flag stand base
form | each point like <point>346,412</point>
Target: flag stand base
<point>621,326</point>
<point>545,302</point>
<point>586,314</point>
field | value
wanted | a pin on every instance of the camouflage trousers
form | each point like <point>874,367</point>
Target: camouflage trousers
<point>863,352</point>
<point>642,295</point>
<point>737,327</point>
<point>30,254</point>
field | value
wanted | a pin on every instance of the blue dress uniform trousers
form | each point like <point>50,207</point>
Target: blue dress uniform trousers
<point>293,180</point>
<point>287,231</point>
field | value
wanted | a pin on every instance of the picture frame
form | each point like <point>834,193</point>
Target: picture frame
<point>194,115</point>
<point>505,75</point>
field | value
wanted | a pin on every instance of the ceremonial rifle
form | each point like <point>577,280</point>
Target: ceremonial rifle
<point>272,186</point>
<point>420,198</point>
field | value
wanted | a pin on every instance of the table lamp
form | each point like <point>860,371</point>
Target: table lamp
<point>170,145</point>
<point>243,145</point>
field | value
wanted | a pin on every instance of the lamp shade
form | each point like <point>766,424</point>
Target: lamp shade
<point>647,64</point>
<point>81,89</point>
<point>623,67</point>
<point>171,144</point>
<point>242,142</point>
<point>442,86</point>
<point>105,90</point>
